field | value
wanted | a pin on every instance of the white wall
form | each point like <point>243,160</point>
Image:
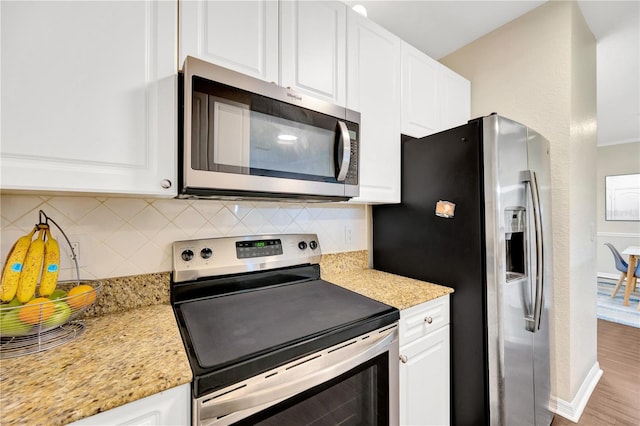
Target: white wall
<point>621,159</point>
<point>131,236</point>
<point>540,70</point>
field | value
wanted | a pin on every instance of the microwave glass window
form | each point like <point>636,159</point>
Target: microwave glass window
<point>233,131</point>
<point>281,145</point>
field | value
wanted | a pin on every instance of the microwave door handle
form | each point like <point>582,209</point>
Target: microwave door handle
<point>530,180</point>
<point>344,150</point>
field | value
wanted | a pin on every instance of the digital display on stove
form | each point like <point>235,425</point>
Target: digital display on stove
<point>258,248</point>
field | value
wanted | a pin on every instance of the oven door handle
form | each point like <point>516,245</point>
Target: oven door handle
<point>281,386</point>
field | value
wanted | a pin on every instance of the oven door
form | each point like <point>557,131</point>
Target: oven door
<point>248,135</point>
<point>353,383</point>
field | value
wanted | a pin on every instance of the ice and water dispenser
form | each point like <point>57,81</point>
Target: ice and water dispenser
<point>516,243</point>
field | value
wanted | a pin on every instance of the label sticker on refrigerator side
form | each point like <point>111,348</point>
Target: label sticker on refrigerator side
<point>445,209</point>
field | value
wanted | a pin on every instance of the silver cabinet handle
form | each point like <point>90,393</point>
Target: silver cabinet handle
<point>404,359</point>
<point>166,183</point>
<point>428,320</point>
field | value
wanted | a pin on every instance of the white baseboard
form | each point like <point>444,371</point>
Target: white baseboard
<point>609,276</point>
<point>619,234</point>
<point>573,410</point>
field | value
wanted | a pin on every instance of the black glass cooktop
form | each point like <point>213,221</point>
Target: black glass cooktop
<point>233,337</point>
<point>226,329</point>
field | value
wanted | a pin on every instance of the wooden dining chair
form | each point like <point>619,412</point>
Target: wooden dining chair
<point>623,267</point>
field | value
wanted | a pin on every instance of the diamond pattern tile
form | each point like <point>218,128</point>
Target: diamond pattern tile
<point>74,208</point>
<point>224,221</point>
<point>171,208</point>
<point>125,208</point>
<point>254,221</point>
<point>12,208</point>
<point>149,221</point>
<point>131,236</point>
<point>190,221</point>
<point>207,208</point>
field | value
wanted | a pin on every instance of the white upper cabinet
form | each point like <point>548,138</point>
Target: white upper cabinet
<point>434,98</point>
<point>373,89</point>
<point>456,99</point>
<point>239,35</point>
<point>89,97</point>
<point>297,44</point>
<point>420,92</point>
<point>313,48</point>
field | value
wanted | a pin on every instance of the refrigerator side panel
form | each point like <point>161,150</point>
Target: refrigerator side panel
<point>539,161</point>
<point>409,239</point>
<point>509,291</point>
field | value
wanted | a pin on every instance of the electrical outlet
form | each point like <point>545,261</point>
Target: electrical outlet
<point>348,235</point>
<point>80,246</point>
<point>75,248</point>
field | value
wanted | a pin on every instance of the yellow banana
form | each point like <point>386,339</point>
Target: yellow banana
<point>51,267</point>
<point>13,266</point>
<point>31,269</point>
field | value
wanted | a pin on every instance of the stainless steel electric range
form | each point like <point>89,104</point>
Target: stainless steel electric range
<point>271,343</point>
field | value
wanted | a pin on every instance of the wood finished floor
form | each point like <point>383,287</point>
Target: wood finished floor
<point>616,398</point>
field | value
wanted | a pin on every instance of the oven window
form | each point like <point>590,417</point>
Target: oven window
<point>357,397</point>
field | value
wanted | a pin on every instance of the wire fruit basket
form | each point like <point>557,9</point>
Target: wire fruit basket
<point>46,322</point>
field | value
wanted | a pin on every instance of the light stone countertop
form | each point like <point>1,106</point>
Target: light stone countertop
<point>349,270</point>
<point>119,358</point>
<point>396,291</point>
<point>131,347</point>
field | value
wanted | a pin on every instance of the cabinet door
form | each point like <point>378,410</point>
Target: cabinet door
<point>89,96</point>
<point>420,320</point>
<point>421,97</point>
<point>373,89</point>
<point>313,48</point>
<point>171,407</point>
<point>239,35</point>
<point>424,380</point>
<point>456,99</point>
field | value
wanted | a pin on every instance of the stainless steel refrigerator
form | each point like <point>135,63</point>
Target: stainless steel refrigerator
<point>475,215</point>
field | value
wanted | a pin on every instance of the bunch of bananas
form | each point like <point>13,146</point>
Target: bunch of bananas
<point>28,260</point>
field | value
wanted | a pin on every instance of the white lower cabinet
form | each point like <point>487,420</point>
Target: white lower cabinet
<point>424,364</point>
<point>171,407</point>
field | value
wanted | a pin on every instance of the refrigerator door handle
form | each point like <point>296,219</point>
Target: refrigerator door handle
<point>530,180</point>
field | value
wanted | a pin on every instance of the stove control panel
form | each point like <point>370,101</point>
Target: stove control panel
<point>209,257</point>
<point>258,248</point>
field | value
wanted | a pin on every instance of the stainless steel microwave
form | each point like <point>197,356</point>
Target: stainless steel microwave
<point>241,137</point>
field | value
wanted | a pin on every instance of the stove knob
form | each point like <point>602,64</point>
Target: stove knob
<point>302,245</point>
<point>206,253</point>
<point>313,244</point>
<point>187,255</point>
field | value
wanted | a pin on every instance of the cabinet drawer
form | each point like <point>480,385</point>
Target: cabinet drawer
<point>423,319</point>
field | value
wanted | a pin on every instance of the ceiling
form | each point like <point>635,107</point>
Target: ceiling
<point>439,28</point>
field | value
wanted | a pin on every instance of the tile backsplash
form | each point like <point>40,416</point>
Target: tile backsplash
<point>131,236</point>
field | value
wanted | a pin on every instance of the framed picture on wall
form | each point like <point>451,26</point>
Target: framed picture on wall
<point>622,197</point>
